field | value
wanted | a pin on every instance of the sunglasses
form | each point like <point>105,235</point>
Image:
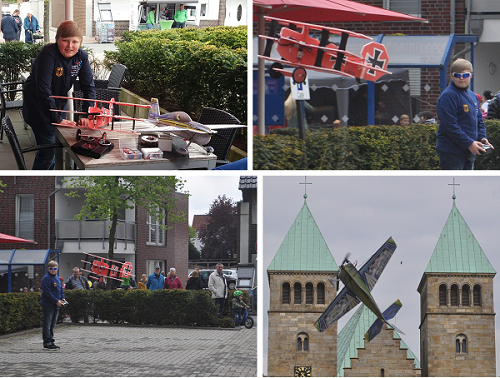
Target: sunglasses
<point>462,75</point>
<point>52,268</point>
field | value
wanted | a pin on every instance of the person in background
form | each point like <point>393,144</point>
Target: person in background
<point>404,120</point>
<point>195,282</point>
<point>8,27</point>
<point>156,280</point>
<point>51,300</point>
<point>461,133</point>
<point>180,17</point>
<point>217,284</point>
<point>100,284</point>
<point>151,19</point>
<point>172,281</point>
<point>426,118</point>
<point>237,307</point>
<point>30,26</point>
<point>202,278</point>
<point>19,23</point>
<point>77,281</point>
<point>142,283</point>
<point>53,73</point>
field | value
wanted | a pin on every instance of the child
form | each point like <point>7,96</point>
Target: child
<point>238,306</point>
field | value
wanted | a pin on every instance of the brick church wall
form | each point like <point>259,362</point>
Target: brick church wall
<point>395,362</point>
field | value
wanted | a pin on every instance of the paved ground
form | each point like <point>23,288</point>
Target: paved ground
<point>118,351</point>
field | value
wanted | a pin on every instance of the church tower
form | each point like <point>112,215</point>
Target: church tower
<point>457,325</point>
<point>300,291</point>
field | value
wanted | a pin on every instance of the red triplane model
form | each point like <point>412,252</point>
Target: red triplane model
<point>298,49</point>
<point>102,266</point>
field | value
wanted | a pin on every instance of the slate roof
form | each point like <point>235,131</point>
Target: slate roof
<point>247,182</point>
<point>457,250</point>
<point>352,337</point>
<point>304,248</point>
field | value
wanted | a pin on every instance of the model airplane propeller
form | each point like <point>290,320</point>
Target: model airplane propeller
<point>358,286</point>
<point>300,50</point>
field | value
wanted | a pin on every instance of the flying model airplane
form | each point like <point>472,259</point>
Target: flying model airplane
<point>358,286</point>
<point>300,50</point>
<point>101,266</point>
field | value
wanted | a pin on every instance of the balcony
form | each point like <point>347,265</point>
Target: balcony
<point>76,231</point>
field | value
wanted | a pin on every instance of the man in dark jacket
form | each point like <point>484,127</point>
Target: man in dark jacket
<point>9,27</point>
<point>77,281</point>
<point>52,299</point>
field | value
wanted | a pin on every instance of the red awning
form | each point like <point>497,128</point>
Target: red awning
<point>12,239</point>
<point>326,11</point>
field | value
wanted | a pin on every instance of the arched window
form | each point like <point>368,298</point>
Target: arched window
<point>442,295</point>
<point>466,295</point>
<point>320,292</point>
<point>454,295</point>
<point>297,293</point>
<point>461,344</point>
<point>303,342</point>
<point>285,293</point>
<point>309,293</point>
<point>477,295</point>
<point>382,372</point>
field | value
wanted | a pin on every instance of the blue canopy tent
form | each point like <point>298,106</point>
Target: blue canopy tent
<point>17,262</point>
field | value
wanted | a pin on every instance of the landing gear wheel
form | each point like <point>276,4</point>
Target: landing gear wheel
<point>249,322</point>
<point>232,286</point>
<point>299,75</point>
<point>275,74</point>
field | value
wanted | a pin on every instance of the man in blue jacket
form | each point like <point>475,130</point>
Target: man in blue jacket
<point>461,132</point>
<point>52,299</point>
<point>156,280</point>
<point>9,27</point>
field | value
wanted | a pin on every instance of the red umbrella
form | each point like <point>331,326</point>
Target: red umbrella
<point>314,11</point>
<point>326,10</point>
<point>12,239</point>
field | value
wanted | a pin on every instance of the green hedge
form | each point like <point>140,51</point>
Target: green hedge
<point>365,148</point>
<point>20,311</point>
<point>187,69</point>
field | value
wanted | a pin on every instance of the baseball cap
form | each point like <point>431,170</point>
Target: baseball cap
<point>157,267</point>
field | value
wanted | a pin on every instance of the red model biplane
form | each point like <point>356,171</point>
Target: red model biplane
<point>101,266</point>
<point>298,49</point>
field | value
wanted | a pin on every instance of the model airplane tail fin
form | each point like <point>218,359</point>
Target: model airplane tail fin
<point>376,56</point>
<point>154,111</point>
<point>388,314</point>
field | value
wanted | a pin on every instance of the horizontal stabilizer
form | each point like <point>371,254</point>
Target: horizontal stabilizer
<point>377,325</point>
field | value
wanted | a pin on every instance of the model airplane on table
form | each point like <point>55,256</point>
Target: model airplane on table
<point>298,49</point>
<point>358,286</point>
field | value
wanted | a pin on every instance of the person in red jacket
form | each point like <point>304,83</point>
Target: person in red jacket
<point>172,281</point>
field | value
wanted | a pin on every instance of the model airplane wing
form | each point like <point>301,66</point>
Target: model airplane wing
<point>342,304</point>
<point>112,101</point>
<point>373,268</point>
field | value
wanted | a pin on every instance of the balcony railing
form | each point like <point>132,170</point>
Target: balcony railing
<point>94,230</point>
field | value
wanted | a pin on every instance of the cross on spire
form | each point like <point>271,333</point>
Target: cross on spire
<point>454,196</point>
<point>305,183</point>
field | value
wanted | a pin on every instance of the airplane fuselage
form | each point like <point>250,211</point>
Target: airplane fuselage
<point>351,278</point>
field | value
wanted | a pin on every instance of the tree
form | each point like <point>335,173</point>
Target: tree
<point>106,196</point>
<point>194,254</point>
<point>219,236</point>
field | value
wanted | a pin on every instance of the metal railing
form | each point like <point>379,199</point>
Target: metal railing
<point>94,230</point>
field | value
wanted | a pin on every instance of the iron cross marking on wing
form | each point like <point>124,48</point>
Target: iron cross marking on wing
<point>375,60</point>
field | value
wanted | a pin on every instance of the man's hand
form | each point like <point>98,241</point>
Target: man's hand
<point>84,122</point>
<point>485,141</point>
<point>68,122</point>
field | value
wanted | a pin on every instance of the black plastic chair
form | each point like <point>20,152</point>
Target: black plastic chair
<point>10,104</point>
<point>16,146</point>
<point>223,140</point>
<point>114,80</point>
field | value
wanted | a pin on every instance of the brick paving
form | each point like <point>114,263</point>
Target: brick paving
<point>117,351</point>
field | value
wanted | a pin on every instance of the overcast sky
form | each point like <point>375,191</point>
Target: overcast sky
<point>358,214</point>
<point>204,191</point>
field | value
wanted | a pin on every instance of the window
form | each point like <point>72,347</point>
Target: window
<point>203,10</point>
<point>477,295</point>
<point>156,234</point>
<point>411,7</point>
<point>466,295</point>
<point>309,293</point>
<point>25,216</point>
<point>302,342</point>
<point>320,293</point>
<point>382,372</point>
<point>461,344</point>
<point>297,293</point>
<point>285,293</point>
<point>442,295</point>
<point>454,295</point>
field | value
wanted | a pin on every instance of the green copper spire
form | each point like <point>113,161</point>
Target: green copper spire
<point>304,248</point>
<point>457,250</point>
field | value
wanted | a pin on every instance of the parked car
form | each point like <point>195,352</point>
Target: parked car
<point>231,281</point>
